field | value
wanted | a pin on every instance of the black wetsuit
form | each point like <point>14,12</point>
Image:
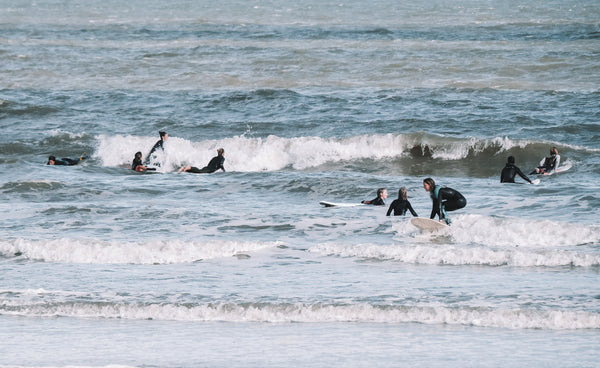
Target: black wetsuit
<point>509,172</point>
<point>215,164</point>
<point>376,202</point>
<point>400,206</point>
<point>547,165</point>
<point>157,145</point>
<point>65,162</point>
<point>136,163</point>
<point>446,199</point>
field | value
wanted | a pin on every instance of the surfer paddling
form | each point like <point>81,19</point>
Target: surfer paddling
<point>215,164</point>
<point>444,199</point>
<point>65,161</point>
<point>379,201</point>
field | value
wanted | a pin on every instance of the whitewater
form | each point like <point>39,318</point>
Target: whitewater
<point>103,266</point>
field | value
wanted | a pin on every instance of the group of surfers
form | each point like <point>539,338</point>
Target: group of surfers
<point>444,199</point>
<point>215,163</point>
<point>138,165</point>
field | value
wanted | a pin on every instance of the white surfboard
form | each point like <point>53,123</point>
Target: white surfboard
<point>428,224</point>
<point>535,181</point>
<point>339,204</point>
<point>567,165</point>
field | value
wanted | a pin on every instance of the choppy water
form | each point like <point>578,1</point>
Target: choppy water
<point>103,266</point>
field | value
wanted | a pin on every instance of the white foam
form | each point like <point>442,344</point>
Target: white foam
<point>483,240</point>
<point>320,312</point>
<point>247,154</point>
<point>152,252</point>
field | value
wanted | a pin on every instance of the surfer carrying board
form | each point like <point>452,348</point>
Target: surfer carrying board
<point>401,205</point>
<point>548,164</point>
<point>444,200</point>
<point>379,201</point>
<point>510,171</point>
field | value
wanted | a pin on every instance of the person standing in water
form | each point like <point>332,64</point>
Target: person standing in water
<point>382,194</point>
<point>549,164</point>
<point>215,164</point>
<point>510,171</point>
<point>159,145</point>
<point>401,205</point>
<point>444,199</point>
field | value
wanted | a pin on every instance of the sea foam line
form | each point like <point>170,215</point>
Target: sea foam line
<point>151,252</point>
<point>317,313</point>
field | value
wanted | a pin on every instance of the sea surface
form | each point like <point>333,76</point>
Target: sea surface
<point>101,266</point>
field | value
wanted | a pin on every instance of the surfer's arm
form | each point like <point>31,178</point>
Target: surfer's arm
<point>556,163</point>
<point>411,209</point>
<point>523,175</point>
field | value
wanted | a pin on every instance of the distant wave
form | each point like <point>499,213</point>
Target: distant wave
<point>272,153</point>
<point>487,241</point>
<point>243,312</point>
<point>152,252</point>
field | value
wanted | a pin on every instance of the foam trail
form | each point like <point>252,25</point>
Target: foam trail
<point>315,313</point>
<point>101,252</point>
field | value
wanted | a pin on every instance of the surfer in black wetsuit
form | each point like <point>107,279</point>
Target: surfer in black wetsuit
<point>548,164</point>
<point>444,200</point>
<point>64,161</point>
<point>158,145</point>
<point>510,171</point>
<point>215,164</point>
<point>379,201</point>
<point>137,164</point>
<point>401,205</point>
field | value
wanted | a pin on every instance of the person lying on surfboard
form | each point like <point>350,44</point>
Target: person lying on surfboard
<point>510,171</point>
<point>215,164</point>
<point>548,164</point>
<point>401,205</point>
<point>65,161</point>
<point>379,201</point>
<point>444,200</point>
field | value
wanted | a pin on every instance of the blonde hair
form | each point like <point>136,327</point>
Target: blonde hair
<point>402,193</point>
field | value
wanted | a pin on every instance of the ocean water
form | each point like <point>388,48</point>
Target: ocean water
<point>105,267</point>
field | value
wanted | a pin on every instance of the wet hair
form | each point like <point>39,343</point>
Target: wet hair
<point>162,134</point>
<point>402,193</point>
<point>511,160</point>
<point>138,154</point>
<point>430,182</point>
<point>379,191</point>
<point>554,151</point>
<point>50,158</point>
<point>220,151</point>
